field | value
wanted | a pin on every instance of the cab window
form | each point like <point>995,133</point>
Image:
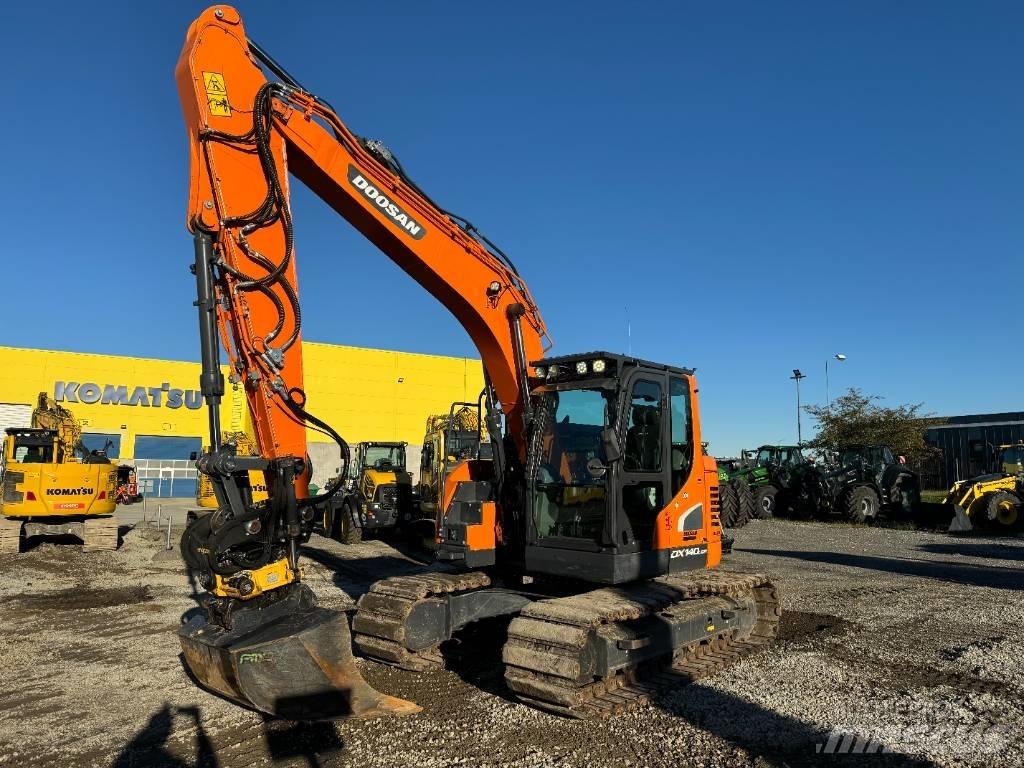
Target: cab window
<point>33,454</point>
<point>791,457</point>
<point>643,437</point>
<point>682,445</point>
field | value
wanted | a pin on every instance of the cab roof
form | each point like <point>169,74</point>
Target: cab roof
<point>621,361</point>
<point>29,431</point>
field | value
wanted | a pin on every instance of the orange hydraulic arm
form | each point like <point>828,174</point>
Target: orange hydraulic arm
<point>246,134</point>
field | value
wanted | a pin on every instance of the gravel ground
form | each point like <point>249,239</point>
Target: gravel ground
<point>904,644</point>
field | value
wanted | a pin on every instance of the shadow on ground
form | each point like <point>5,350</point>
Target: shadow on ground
<point>990,551</point>
<point>175,737</point>
<point>971,575</point>
<point>151,747</point>
<point>310,742</point>
<point>775,739</point>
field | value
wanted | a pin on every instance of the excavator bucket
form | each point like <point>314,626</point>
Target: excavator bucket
<point>291,659</point>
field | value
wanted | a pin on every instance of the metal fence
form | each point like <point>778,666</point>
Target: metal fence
<point>969,445</point>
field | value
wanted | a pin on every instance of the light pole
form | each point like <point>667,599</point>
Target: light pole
<point>796,377</point>
<point>840,359</point>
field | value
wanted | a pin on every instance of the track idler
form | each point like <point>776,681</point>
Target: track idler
<point>282,654</point>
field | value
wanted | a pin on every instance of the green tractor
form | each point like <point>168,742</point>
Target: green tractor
<point>859,481</point>
<point>768,473</point>
<point>735,500</point>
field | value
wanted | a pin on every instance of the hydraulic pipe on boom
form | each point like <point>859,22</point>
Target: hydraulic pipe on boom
<point>211,380</point>
<point>599,476</point>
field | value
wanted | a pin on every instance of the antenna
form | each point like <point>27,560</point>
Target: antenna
<point>629,334</point>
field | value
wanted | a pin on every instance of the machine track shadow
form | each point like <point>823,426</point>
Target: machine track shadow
<point>31,543</point>
<point>989,551</point>
<point>773,738</point>
<point>970,575</point>
<point>480,664</point>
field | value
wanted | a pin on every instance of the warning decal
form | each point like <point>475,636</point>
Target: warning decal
<point>216,94</point>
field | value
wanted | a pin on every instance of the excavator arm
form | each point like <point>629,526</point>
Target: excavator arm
<point>248,137</point>
<point>49,414</point>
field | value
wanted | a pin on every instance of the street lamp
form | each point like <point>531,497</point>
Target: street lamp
<point>840,359</point>
<point>796,377</point>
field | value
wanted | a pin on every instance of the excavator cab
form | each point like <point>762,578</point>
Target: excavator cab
<point>612,449</point>
<point>617,485</point>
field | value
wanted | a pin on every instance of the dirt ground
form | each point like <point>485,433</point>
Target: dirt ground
<point>903,644</point>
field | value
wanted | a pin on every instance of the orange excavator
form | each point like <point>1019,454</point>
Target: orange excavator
<point>593,529</point>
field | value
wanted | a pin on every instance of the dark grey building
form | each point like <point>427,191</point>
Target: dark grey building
<point>969,444</point>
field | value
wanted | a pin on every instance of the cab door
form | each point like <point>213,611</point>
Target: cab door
<point>644,476</point>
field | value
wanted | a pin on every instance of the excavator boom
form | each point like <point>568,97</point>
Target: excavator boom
<point>246,135</point>
<point>49,414</point>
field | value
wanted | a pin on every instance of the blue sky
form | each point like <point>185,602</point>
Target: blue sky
<point>761,184</point>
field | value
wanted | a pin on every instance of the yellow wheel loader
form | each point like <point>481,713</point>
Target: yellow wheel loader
<point>377,494</point>
<point>53,486</point>
<point>993,500</point>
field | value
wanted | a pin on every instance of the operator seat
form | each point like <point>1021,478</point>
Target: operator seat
<point>643,439</point>
<point>680,467</point>
<point>652,438</point>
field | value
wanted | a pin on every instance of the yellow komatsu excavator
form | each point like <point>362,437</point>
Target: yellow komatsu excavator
<point>449,438</point>
<point>593,529</point>
<point>54,486</point>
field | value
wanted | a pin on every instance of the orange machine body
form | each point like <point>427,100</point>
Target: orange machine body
<point>597,474</point>
<point>678,526</point>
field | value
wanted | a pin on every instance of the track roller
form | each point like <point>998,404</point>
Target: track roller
<point>605,652</point>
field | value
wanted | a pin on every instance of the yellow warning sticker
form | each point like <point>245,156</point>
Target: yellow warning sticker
<point>219,105</point>
<point>214,82</point>
<point>216,94</point>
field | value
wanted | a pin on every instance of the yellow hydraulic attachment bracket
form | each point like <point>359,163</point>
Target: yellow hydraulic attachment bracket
<point>246,585</point>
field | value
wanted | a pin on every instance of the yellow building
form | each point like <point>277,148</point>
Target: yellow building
<point>150,413</point>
